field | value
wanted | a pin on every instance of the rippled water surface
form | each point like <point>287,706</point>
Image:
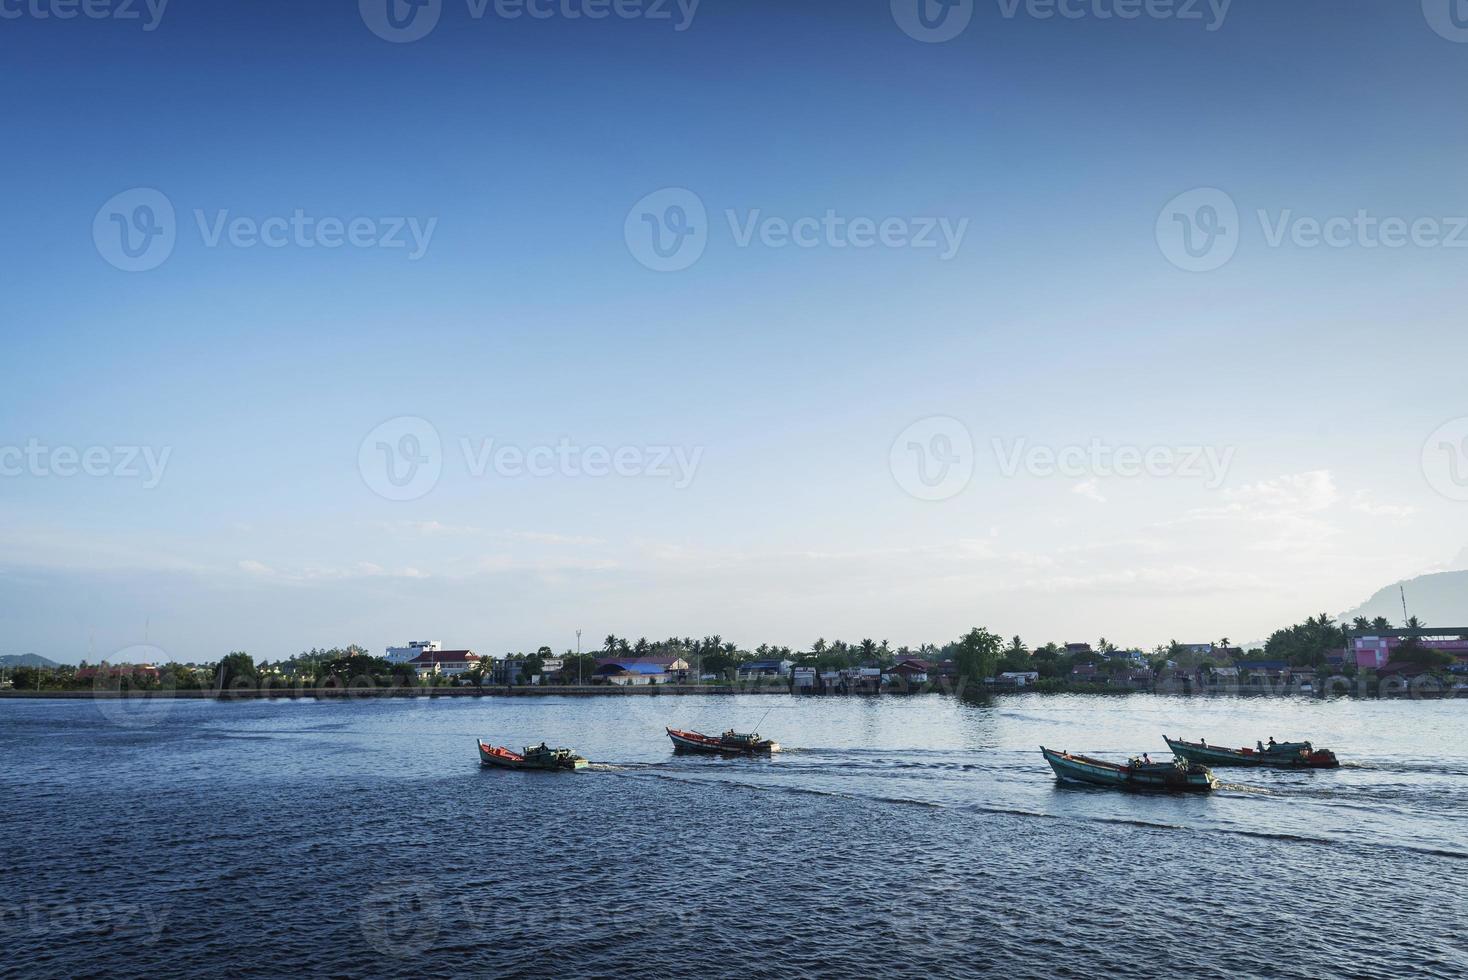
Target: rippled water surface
<point>918,836</point>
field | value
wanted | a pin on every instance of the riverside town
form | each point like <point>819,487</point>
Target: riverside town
<point>1366,658</point>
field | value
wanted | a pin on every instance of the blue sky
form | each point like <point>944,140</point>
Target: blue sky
<point>530,318</point>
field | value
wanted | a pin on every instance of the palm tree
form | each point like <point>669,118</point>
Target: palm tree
<point>819,646</point>
<point>610,643</point>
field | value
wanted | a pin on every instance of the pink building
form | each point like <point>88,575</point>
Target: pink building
<point>1374,652</point>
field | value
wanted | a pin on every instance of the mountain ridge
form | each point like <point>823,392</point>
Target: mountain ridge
<point>26,660</point>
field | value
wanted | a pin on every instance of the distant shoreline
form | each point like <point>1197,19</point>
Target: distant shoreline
<point>1410,692</point>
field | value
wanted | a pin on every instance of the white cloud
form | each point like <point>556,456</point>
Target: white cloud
<point>1361,503</point>
<point>1090,490</point>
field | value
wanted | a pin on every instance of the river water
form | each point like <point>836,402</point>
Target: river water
<point>919,836</point>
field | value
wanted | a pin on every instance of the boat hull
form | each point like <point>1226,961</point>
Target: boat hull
<point>1153,778</point>
<point>697,742</point>
<point>498,757</point>
<point>1298,756</point>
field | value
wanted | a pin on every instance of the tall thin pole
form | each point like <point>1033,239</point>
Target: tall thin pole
<point>578,658</point>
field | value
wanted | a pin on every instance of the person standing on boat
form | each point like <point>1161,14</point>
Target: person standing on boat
<point>1146,759</point>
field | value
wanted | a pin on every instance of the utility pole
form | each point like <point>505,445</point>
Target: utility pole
<point>578,658</point>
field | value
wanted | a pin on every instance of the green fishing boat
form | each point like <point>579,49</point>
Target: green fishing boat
<point>539,756</point>
<point>1279,755</point>
<point>1138,775</point>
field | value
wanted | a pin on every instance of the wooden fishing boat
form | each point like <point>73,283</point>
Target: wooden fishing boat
<point>1282,755</point>
<point>1175,776</point>
<point>729,743</point>
<point>534,757</point>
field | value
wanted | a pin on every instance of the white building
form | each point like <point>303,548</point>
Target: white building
<point>415,648</point>
<point>1019,678</point>
<point>449,662</point>
<point>764,668</point>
